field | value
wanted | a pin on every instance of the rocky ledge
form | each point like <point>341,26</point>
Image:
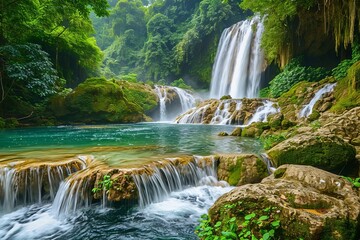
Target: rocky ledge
<point>309,203</point>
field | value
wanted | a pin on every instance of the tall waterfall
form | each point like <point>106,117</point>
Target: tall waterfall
<point>173,101</point>
<point>307,109</point>
<point>239,61</point>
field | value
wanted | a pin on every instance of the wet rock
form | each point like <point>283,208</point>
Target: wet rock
<point>310,204</point>
<point>241,169</point>
<point>223,134</point>
<point>236,132</point>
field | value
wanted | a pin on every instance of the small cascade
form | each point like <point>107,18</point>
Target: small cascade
<point>161,92</point>
<point>25,183</point>
<point>223,114</point>
<point>156,183</point>
<point>269,165</point>
<point>186,99</point>
<point>72,194</point>
<point>173,101</point>
<point>239,61</point>
<point>263,112</point>
<point>307,109</point>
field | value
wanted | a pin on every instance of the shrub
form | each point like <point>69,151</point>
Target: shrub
<point>292,74</point>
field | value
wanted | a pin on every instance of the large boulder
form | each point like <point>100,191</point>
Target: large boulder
<point>296,202</point>
<point>328,152</point>
<point>98,100</point>
<point>241,169</point>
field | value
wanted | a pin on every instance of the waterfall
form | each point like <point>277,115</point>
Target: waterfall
<point>239,61</point>
<point>161,92</point>
<point>173,176</point>
<point>169,108</point>
<point>72,195</point>
<point>307,109</point>
<point>31,183</point>
<point>263,112</point>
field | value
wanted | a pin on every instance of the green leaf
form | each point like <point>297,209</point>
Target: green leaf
<point>233,219</point>
<point>276,223</point>
<point>218,224</point>
<point>250,216</point>
<point>230,235</point>
<point>263,218</point>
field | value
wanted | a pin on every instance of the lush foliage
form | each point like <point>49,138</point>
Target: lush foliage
<point>340,71</point>
<point>293,73</point>
<point>181,84</point>
<point>164,41</point>
<point>255,225</point>
<point>29,66</point>
<point>44,45</point>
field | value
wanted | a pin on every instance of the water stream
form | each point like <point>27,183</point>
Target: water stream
<point>172,198</point>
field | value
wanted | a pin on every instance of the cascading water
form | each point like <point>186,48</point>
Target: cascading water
<point>173,177</point>
<point>263,112</point>
<point>33,184</point>
<point>307,109</point>
<point>168,113</point>
<point>161,92</point>
<point>239,61</point>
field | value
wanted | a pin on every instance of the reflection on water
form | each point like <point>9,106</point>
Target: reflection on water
<point>120,145</point>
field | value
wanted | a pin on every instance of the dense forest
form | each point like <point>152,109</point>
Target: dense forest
<point>48,47</point>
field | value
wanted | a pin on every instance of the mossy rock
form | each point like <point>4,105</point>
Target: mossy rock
<point>98,100</point>
<point>347,91</point>
<point>241,169</point>
<point>327,152</point>
<point>275,120</point>
<point>255,129</point>
<point>309,203</point>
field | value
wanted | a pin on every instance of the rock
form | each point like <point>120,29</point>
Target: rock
<point>275,120</point>
<point>255,129</point>
<point>223,134</point>
<point>241,169</point>
<point>236,132</point>
<point>328,152</point>
<point>309,203</point>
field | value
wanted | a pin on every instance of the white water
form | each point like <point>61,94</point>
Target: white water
<point>161,93</point>
<point>239,61</point>
<point>168,113</point>
<point>307,109</point>
<point>173,177</point>
<point>225,113</point>
<point>31,184</point>
<point>263,112</point>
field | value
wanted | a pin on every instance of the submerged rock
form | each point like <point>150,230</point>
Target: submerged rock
<point>310,204</point>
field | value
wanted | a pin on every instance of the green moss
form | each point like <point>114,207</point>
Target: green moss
<point>347,92</point>
<point>314,115</point>
<point>98,100</point>
<point>235,172</point>
<point>279,172</point>
<point>325,155</point>
<point>338,229</point>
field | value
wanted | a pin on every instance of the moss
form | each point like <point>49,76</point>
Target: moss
<point>279,172</point>
<point>329,156</point>
<point>225,97</point>
<point>347,92</point>
<point>235,172</point>
<point>314,115</point>
<point>336,229</point>
<point>99,100</point>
